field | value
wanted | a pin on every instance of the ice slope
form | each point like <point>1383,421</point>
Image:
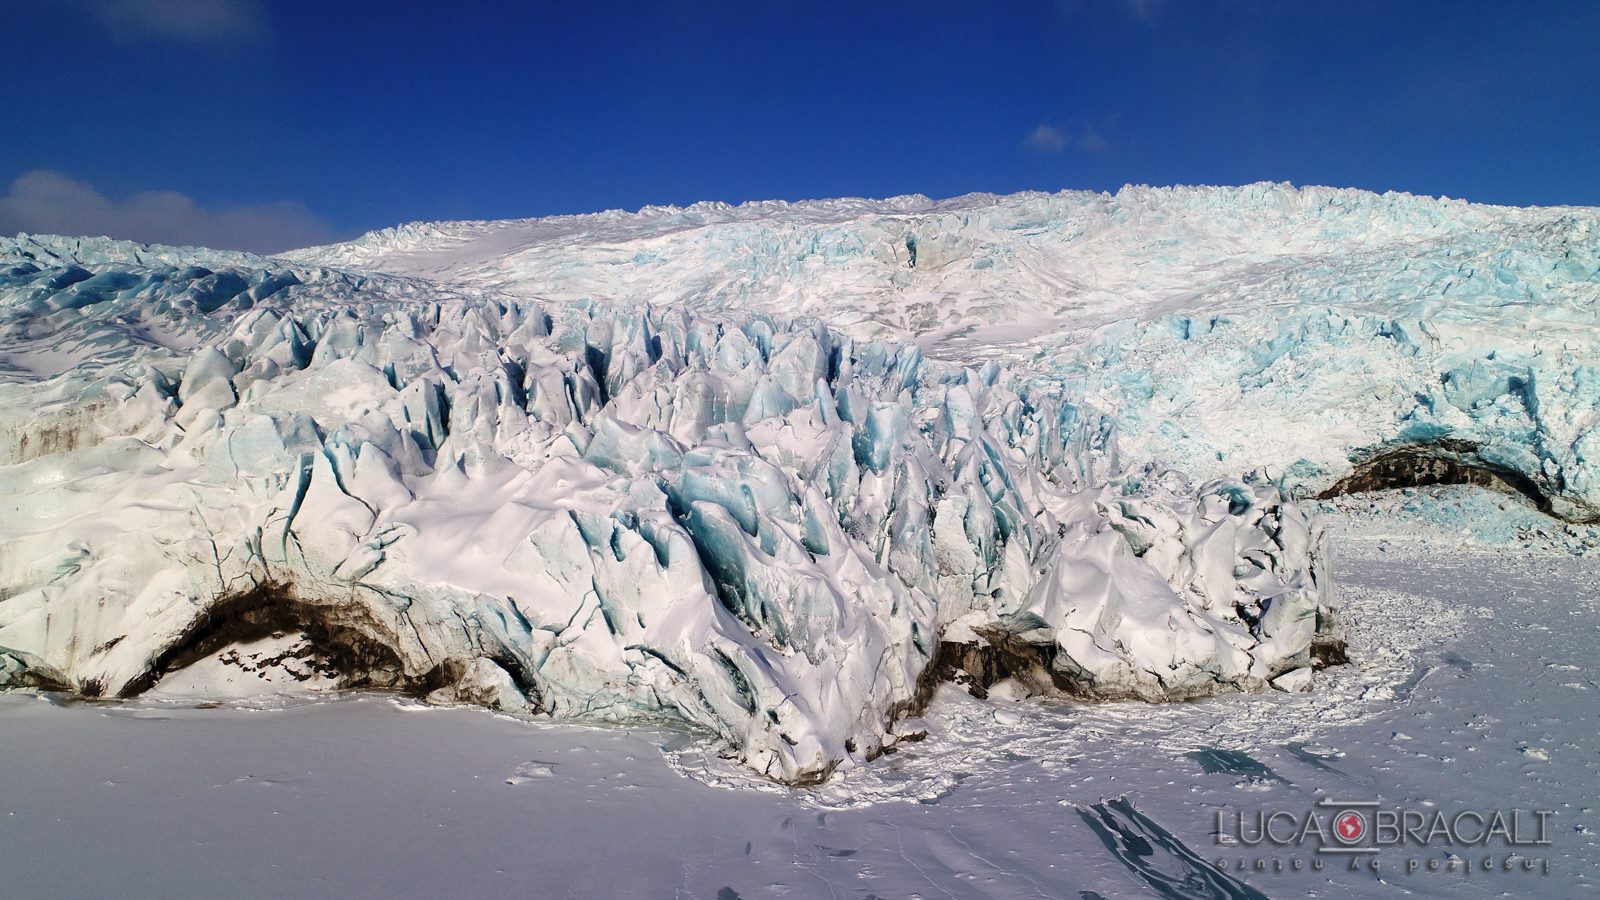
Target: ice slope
<point>1312,329</point>
<point>760,526</point>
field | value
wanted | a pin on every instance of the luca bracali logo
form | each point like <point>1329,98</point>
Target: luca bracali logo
<point>1365,835</point>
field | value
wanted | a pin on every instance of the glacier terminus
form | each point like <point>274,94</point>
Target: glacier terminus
<point>773,471</point>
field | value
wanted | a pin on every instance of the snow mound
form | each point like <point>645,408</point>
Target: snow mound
<point>761,526</point>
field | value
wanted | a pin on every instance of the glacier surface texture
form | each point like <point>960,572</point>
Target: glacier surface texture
<point>771,470</point>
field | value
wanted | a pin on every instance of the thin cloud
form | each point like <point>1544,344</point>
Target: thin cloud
<point>1146,10</point>
<point>47,202</point>
<point>1085,137</point>
<point>1143,10</point>
<point>1046,138</point>
<point>194,21</point>
<point>1092,141</point>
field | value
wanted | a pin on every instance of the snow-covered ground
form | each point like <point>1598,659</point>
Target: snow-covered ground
<point>1473,687</point>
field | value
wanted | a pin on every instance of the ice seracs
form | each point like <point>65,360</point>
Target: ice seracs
<point>749,469</point>
<point>758,526</point>
<point>1317,330</point>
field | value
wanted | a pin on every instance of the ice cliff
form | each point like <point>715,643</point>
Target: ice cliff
<point>598,509</point>
<point>751,469</point>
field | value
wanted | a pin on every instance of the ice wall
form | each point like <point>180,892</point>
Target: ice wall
<point>759,526</point>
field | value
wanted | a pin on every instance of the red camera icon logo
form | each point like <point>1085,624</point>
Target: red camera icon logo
<point>1349,827</point>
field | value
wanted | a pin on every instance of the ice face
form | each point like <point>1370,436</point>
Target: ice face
<point>1312,329</point>
<point>606,467</point>
<point>761,526</point>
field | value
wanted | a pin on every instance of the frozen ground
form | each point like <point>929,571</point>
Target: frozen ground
<point>1473,687</point>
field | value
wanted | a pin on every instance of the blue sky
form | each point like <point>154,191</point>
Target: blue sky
<point>266,125</point>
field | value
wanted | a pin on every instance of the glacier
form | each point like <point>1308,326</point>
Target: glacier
<point>749,468</point>
<point>1315,330</point>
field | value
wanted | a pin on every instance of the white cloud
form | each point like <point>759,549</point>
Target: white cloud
<point>1046,139</point>
<point>47,202</point>
<point>1092,141</point>
<point>198,21</point>
<point>1078,135</point>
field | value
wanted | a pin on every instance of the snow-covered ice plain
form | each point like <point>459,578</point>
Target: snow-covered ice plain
<point>870,530</point>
